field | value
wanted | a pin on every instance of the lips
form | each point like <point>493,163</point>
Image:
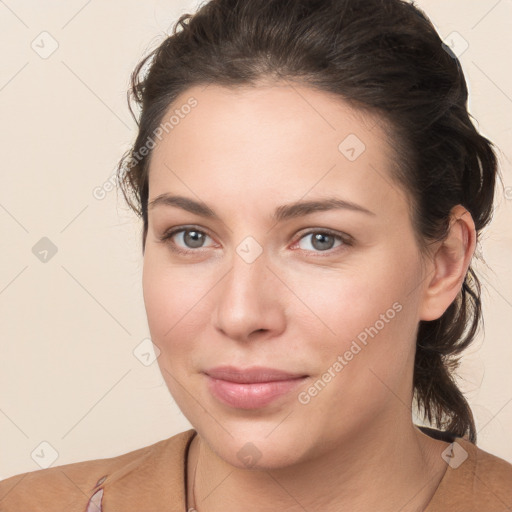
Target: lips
<point>251,375</point>
<point>251,388</point>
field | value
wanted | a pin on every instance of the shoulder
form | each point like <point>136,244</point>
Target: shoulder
<point>492,476</point>
<point>70,487</point>
<point>474,480</point>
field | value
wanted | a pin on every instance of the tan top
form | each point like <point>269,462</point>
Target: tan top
<point>152,479</point>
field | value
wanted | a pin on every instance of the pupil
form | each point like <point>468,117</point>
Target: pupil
<point>320,238</point>
<point>194,240</point>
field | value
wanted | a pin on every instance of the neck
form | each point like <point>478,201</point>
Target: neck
<point>385,469</point>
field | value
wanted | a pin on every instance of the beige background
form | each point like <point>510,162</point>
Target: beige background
<point>69,326</point>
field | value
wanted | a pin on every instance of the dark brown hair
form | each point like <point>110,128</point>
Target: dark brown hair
<point>384,57</point>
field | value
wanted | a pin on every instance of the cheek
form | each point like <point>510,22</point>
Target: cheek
<point>174,310</point>
<point>368,316</point>
<point>345,302</point>
<point>174,298</point>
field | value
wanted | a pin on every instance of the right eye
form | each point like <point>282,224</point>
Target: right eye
<point>188,239</point>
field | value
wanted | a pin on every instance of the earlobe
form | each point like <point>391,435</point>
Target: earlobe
<point>450,264</point>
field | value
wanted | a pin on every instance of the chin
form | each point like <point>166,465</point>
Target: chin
<point>258,447</point>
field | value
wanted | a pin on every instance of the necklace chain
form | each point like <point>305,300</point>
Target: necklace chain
<point>193,507</point>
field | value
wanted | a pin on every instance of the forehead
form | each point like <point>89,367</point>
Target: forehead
<point>274,143</point>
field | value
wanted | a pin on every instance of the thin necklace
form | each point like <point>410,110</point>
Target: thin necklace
<point>193,508</point>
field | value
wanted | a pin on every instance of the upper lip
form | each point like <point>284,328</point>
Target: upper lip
<point>251,375</point>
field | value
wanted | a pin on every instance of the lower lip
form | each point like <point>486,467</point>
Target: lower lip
<point>251,396</point>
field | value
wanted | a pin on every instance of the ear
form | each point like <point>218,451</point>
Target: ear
<point>450,265</point>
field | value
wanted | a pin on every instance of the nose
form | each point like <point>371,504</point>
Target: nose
<point>249,301</point>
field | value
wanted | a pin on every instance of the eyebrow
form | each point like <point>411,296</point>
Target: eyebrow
<point>281,213</point>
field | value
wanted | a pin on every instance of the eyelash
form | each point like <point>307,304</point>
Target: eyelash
<point>346,239</point>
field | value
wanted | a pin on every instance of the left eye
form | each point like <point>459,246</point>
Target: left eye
<point>320,241</point>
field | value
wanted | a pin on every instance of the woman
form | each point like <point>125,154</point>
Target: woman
<point>312,190</point>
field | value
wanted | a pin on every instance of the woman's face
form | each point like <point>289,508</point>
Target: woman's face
<point>330,292</point>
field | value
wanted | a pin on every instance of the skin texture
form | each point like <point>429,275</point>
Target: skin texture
<point>297,306</point>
